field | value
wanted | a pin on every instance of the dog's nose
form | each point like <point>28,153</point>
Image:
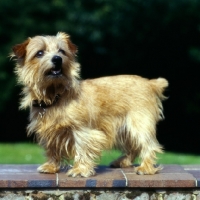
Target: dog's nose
<point>57,61</point>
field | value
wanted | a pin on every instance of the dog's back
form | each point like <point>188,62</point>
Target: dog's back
<point>125,92</point>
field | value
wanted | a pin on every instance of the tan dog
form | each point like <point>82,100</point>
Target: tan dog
<point>76,119</point>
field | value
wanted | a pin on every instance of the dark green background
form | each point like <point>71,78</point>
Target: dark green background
<point>150,38</point>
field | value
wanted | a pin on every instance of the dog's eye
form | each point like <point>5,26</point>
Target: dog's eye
<point>39,54</point>
<point>62,51</point>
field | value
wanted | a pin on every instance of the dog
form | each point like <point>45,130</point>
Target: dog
<point>76,119</point>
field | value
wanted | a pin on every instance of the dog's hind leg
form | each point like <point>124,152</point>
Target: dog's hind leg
<point>147,155</point>
<point>138,138</point>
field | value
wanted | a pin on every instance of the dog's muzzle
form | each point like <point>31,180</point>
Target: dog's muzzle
<point>57,65</point>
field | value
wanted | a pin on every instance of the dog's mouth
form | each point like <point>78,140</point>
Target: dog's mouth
<point>55,72</point>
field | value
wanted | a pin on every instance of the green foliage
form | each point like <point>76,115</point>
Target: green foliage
<point>99,27</point>
<point>103,29</point>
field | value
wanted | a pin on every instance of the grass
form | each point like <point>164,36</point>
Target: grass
<point>21,153</point>
<point>28,153</point>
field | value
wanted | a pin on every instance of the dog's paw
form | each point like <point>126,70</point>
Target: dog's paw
<point>49,168</point>
<point>80,172</point>
<point>140,170</point>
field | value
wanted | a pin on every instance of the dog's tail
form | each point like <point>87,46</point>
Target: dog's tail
<point>158,86</point>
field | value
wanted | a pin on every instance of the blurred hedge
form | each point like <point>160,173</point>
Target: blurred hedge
<point>146,37</point>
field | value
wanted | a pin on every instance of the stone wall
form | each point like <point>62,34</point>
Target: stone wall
<point>100,195</point>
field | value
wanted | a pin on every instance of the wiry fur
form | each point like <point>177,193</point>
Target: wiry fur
<point>89,115</point>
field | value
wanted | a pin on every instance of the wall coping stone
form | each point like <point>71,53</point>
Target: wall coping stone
<point>170,177</point>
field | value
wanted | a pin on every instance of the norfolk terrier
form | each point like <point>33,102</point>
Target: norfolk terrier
<point>76,119</point>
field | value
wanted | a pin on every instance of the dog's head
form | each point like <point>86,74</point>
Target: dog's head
<point>46,63</point>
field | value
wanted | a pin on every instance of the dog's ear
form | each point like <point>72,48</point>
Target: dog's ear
<point>72,47</point>
<point>19,50</point>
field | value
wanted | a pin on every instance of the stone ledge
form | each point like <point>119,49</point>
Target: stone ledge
<point>172,176</point>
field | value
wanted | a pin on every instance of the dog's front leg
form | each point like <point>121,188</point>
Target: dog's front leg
<point>88,147</point>
<point>83,167</point>
<point>49,168</point>
<point>83,162</point>
<point>52,165</point>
